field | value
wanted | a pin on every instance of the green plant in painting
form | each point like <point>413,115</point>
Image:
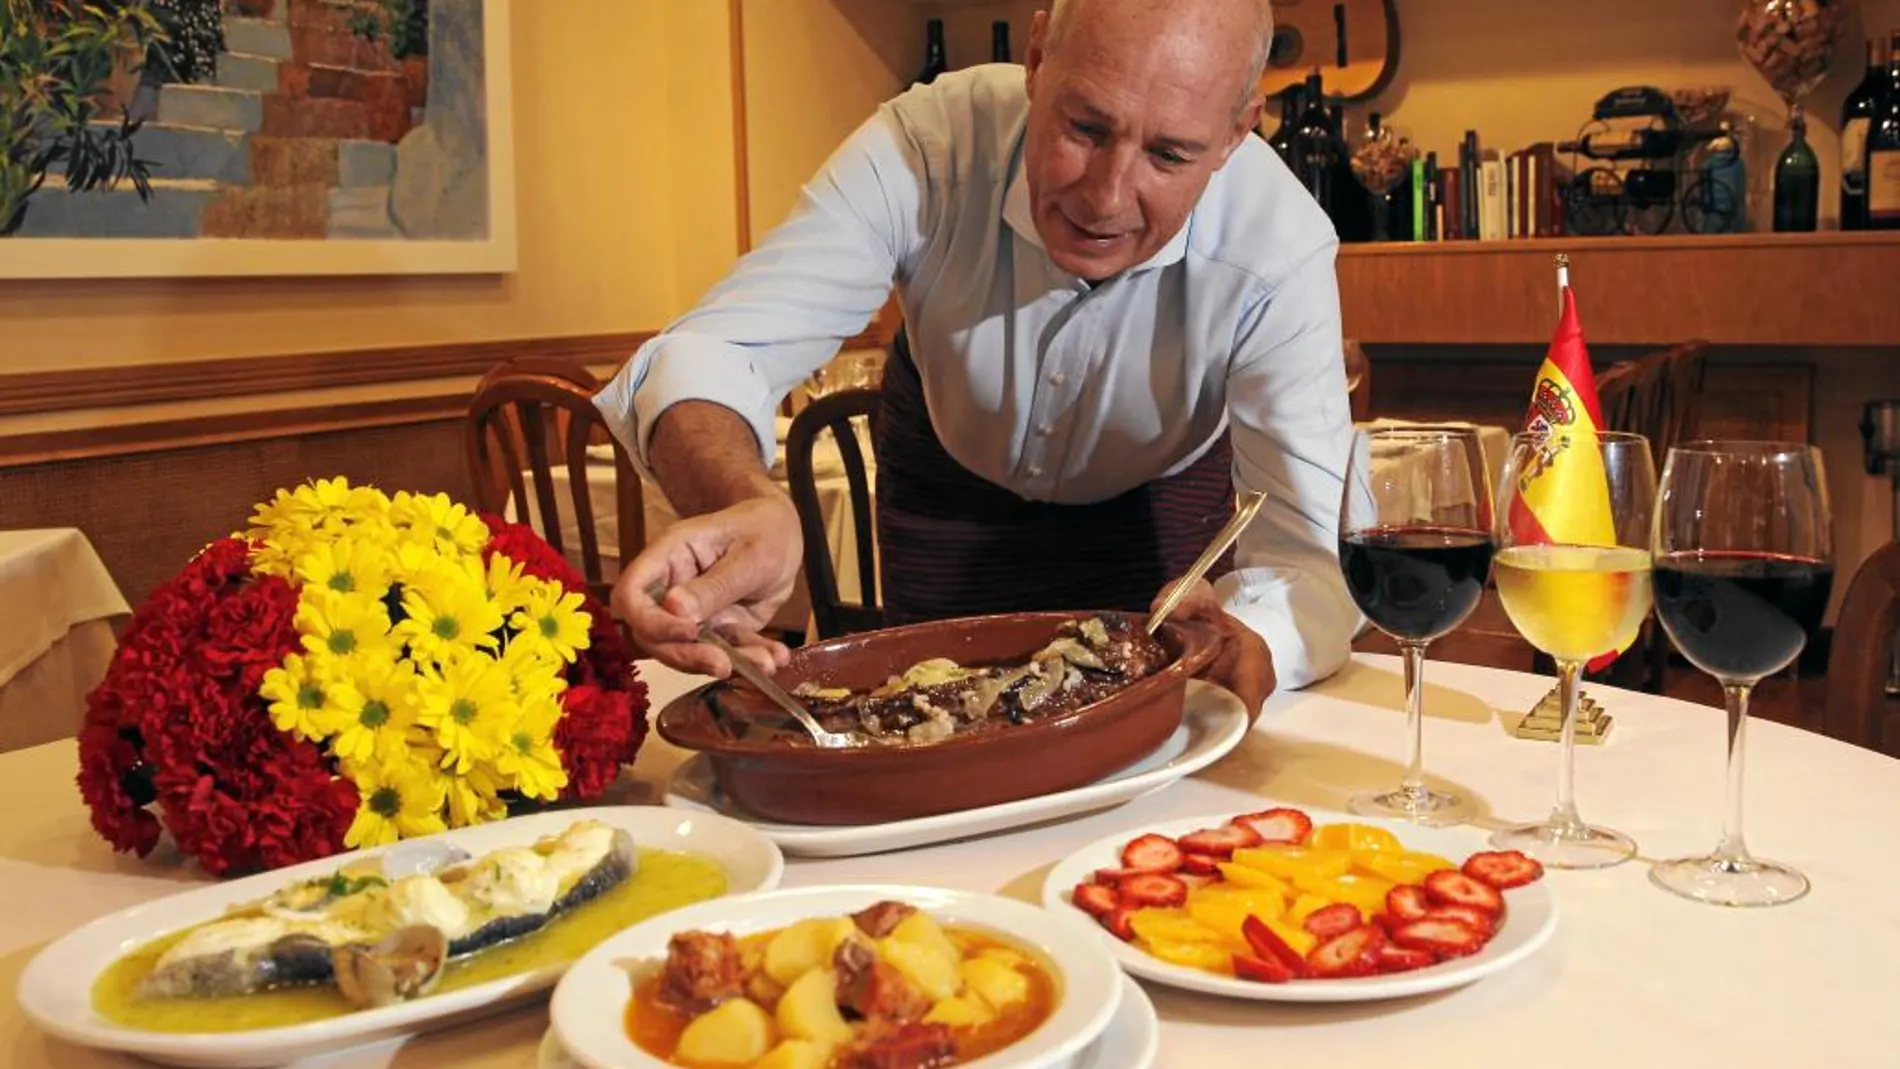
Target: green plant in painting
<point>194,35</point>
<point>403,23</point>
<point>57,59</point>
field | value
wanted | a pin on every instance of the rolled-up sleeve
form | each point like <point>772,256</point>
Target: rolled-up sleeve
<point>1291,427</point>
<point>788,305</point>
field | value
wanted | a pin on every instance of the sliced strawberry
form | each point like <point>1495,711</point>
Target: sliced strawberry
<point>1442,936</point>
<point>1481,922</point>
<point>1120,922</point>
<point>1266,943</point>
<point>1220,842</point>
<point>1153,889</point>
<point>1266,970</point>
<point>1403,959</point>
<point>1151,853</point>
<point>1353,953</point>
<point>1094,899</point>
<point>1336,919</point>
<point>1196,879</point>
<point>1449,888</point>
<point>1114,877</point>
<point>1503,869</point>
<point>1407,902</point>
<point>1385,922</point>
<point>1280,825</point>
<point>1201,863</point>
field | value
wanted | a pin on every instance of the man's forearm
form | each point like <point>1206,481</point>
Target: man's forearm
<point>706,458</point>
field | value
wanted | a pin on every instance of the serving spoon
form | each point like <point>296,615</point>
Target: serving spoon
<point>1243,515</point>
<point>751,673</point>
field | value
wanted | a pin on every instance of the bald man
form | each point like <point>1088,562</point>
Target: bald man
<point>1118,309</point>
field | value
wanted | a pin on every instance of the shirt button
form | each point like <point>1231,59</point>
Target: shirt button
<point>1043,429</point>
<point>1056,378</point>
<point>1035,471</point>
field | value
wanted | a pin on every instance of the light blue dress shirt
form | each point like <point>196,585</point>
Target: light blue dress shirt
<point>1035,380</point>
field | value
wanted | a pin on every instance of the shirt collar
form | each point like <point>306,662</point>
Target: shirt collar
<point>1021,218</point>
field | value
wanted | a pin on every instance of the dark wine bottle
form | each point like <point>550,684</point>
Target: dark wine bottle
<point>1316,156</point>
<point>1798,181</point>
<point>1857,114</point>
<point>999,41</point>
<point>1883,148</point>
<point>1290,107</point>
<point>934,61</point>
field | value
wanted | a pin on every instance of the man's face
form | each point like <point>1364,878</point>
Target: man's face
<point>1125,128</point>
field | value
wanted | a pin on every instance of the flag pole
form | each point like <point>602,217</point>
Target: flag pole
<point>1563,279</point>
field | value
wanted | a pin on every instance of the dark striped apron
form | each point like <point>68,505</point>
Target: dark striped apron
<point>955,544</point>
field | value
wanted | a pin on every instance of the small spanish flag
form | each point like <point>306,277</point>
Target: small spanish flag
<point>1565,498</point>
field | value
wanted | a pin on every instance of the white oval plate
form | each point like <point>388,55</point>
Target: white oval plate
<point>590,1004</point>
<point>1131,1040</point>
<point>56,988</point>
<point>1213,722</point>
<point>1529,920</point>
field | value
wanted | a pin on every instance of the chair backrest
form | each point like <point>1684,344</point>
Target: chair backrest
<point>1857,667</point>
<point>1358,381</point>
<point>529,414</point>
<point>1658,396</point>
<point>836,413</point>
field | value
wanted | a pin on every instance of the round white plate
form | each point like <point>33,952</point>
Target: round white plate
<point>56,988</point>
<point>590,1004</point>
<point>1213,722</point>
<point>1131,1040</point>
<point>1529,920</point>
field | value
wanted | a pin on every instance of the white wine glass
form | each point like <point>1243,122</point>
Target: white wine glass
<point>1743,569</point>
<point>1573,573</point>
<point>1415,548</point>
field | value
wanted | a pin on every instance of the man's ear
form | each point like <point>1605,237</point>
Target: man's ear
<point>1038,47</point>
<point>1244,124</point>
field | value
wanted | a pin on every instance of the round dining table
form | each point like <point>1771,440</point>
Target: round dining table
<point>1632,976</point>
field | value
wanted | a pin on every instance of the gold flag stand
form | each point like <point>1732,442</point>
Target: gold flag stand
<point>1545,722</point>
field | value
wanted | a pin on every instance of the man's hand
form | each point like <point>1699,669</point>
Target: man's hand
<point>1244,664</point>
<point>732,569</point>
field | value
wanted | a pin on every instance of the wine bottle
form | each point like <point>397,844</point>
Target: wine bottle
<point>934,61</point>
<point>1290,107</point>
<point>1857,114</point>
<point>999,41</point>
<point>1883,148</point>
<point>1315,154</point>
<point>1798,180</point>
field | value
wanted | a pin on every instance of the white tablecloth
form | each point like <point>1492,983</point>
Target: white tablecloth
<point>56,601</point>
<point>834,500</point>
<point>1633,977</point>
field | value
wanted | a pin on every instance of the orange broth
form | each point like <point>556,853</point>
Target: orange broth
<point>656,1029</point>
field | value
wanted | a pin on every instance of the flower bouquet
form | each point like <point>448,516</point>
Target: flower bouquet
<point>351,670</point>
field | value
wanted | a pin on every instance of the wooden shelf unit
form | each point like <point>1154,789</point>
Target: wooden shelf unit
<point>1820,289</point>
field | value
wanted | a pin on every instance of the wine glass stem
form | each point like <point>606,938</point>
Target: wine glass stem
<point>1414,782</point>
<point>1733,848</point>
<point>1564,813</point>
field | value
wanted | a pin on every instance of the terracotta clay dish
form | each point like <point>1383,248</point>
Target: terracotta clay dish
<point>1099,723</point>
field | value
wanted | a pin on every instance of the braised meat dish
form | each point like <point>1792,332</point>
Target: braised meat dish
<point>1088,660</point>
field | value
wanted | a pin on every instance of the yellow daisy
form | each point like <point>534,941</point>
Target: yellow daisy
<point>353,565</point>
<point>400,799</point>
<point>333,504</point>
<point>354,626</point>
<point>306,701</point>
<point>527,756</point>
<point>445,614</point>
<point>551,622</point>
<point>436,520</point>
<point>469,705</point>
<point>502,580</point>
<point>532,673</point>
<point>377,728</point>
<point>474,798</point>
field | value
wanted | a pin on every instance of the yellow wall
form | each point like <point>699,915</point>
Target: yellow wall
<point>625,191</point>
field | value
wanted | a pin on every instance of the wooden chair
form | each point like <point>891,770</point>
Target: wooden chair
<point>836,413</point>
<point>1358,381</point>
<point>1858,710</point>
<point>527,412</point>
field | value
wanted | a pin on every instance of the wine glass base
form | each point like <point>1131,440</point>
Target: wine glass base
<point>1421,806</point>
<point>1557,846</point>
<point>1720,881</point>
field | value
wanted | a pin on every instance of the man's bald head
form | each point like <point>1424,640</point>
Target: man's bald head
<point>1223,20</point>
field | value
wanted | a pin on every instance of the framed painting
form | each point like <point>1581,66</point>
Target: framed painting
<point>169,138</point>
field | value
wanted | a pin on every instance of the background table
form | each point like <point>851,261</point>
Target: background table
<point>57,601</point>
<point>1633,976</point>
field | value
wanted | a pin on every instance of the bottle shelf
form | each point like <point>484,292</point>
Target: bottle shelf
<point>1824,288</point>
